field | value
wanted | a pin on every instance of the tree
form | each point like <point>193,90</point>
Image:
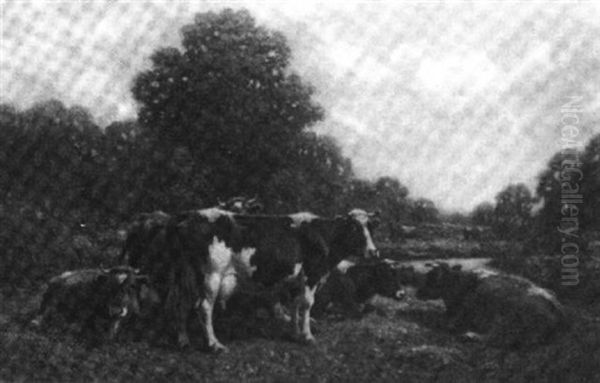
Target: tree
<point>483,214</point>
<point>589,180</point>
<point>513,211</point>
<point>424,210</point>
<point>230,98</point>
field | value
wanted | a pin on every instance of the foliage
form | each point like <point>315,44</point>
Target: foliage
<point>512,214</point>
<point>229,98</point>
<point>571,174</point>
<point>483,214</point>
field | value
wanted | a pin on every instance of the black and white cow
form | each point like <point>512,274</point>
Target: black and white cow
<point>213,251</point>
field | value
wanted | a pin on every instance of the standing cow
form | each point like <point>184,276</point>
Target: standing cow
<point>96,299</point>
<point>508,310</point>
<point>213,249</point>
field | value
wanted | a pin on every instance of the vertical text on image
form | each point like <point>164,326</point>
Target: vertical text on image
<point>570,179</point>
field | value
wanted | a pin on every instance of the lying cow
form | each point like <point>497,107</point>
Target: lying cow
<point>504,309</point>
<point>213,249</point>
<point>350,289</point>
<point>98,300</point>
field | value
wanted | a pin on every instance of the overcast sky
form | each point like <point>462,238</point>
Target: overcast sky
<point>455,100</point>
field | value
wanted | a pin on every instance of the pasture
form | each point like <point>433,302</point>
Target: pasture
<point>399,341</point>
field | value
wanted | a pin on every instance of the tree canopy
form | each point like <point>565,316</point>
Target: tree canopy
<point>230,97</point>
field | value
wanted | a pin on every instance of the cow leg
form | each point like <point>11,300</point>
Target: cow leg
<point>296,316</point>
<point>212,287</point>
<point>280,314</point>
<point>114,329</point>
<point>308,299</point>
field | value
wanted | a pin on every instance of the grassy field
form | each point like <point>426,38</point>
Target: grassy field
<point>402,341</point>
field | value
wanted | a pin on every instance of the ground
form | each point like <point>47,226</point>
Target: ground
<point>404,341</point>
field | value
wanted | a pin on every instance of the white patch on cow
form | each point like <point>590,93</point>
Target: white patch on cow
<point>299,218</point>
<point>66,274</point>
<point>485,273</point>
<point>344,265</point>
<point>297,270</point>
<point>227,287</point>
<point>220,256</point>
<point>244,259</point>
<point>124,312</point>
<point>535,290</point>
<point>360,215</point>
<point>214,213</point>
<point>370,244</point>
<point>121,277</point>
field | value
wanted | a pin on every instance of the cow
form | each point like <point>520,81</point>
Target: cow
<point>213,251</point>
<point>500,308</point>
<point>97,300</point>
<point>138,249</point>
<point>351,288</point>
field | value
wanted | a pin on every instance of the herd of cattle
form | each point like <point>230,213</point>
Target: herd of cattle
<point>183,267</point>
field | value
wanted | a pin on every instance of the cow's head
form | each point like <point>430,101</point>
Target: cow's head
<point>128,291</point>
<point>358,226</point>
<point>438,280</point>
<point>386,280</point>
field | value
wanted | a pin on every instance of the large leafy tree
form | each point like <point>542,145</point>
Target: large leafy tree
<point>229,97</point>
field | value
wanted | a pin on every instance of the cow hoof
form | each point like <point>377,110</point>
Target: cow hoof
<point>217,348</point>
<point>308,340</point>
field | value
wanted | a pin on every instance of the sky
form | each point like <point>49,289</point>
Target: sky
<point>456,100</point>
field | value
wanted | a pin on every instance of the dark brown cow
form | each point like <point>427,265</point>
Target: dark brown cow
<point>213,249</point>
<point>96,299</point>
<point>352,287</point>
<point>508,310</point>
